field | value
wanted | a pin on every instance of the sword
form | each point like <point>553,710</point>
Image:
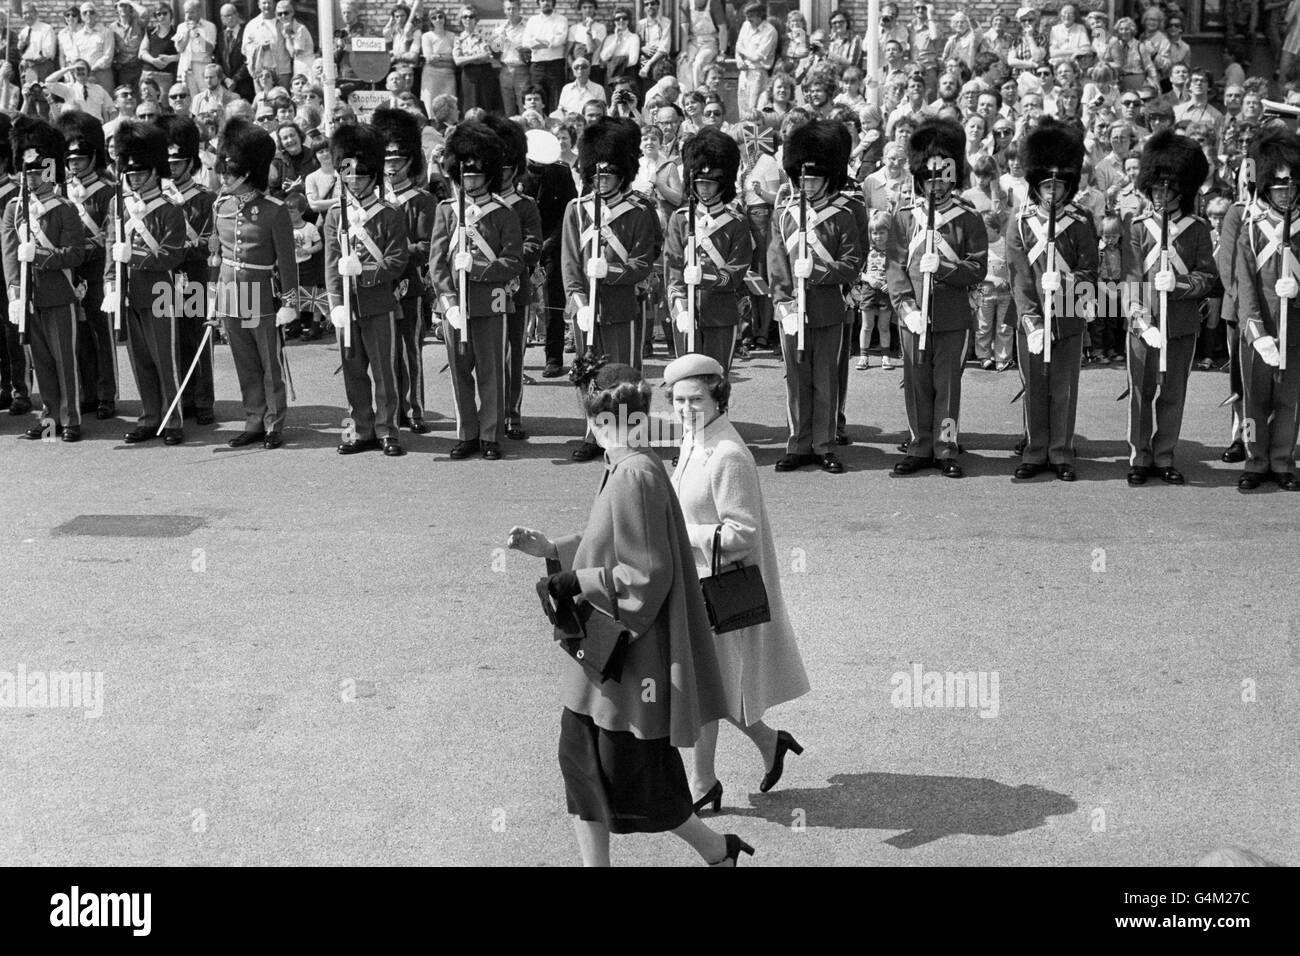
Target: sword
<point>180,391</point>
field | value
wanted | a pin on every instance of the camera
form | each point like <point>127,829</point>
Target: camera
<point>623,96</point>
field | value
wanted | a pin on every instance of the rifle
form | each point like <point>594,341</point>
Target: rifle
<point>927,280</point>
<point>1050,300</point>
<point>121,270</point>
<point>1164,296</point>
<point>801,285</point>
<point>593,284</point>
<point>462,246</point>
<point>24,268</point>
<point>692,259</point>
<point>345,230</point>
<point>1284,270</point>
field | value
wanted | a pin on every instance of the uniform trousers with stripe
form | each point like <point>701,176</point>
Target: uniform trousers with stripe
<point>372,407</point>
<point>842,395</point>
<point>255,347</point>
<point>96,343</point>
<point>1051,401</point>
<point>716,341</point>
<point>618,341</point>
<point>480,364</point>
<point>54,359</point>
<point>200,391</point>
<point>516,346</point>
<point>1156,420</point>
<point>15,376</point>
<point>410,359</point>
<point>1234,378</point>
<point>1270,429</point>
<point>151,346</point>
<point>932,390</point>
<point>812,388</point>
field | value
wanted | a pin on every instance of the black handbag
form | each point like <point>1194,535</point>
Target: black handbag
<point>591,637</point>
<point>734,598</point>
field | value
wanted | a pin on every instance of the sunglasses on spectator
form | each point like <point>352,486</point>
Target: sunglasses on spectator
<point>619,16</point>
<point>713,114</point>
<point>1002,132</point>
<point>1130,102</point>
<point>469,16</point>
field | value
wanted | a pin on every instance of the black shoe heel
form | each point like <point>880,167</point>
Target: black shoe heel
<point>714,796</point>
<point>784,742</point>
<point>735,847</point>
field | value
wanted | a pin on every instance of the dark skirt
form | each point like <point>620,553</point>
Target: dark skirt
<point>615,778</point>
<point>479,86</point>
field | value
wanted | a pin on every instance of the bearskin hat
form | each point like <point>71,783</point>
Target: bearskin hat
<point>1271,150</point>
<point>514,141</point>
<point>942,138</point>
<point>1178,159</point>
<point>141,147</point>
<point>824,147</point>
<point>183,138</point>
<point>360,145</point>
<point>37,145</point>
<point>610,140</point>
<point>1052,146</point>
<point>473,148</point>
<point>85,137</point>
<point>401,132</point>
<point>713,150</point>
<point>245,149</point>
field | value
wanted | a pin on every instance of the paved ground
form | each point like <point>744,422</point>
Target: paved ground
<point>331,661</point>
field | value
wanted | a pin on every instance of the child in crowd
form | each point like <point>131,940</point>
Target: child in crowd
<point>874,307</point>
<point>995,333</point>
<point>309,253</point>
<point>1106,330</point>
<point>850,93</point>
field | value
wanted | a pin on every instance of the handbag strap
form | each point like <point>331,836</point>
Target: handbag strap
<point>717,547</point>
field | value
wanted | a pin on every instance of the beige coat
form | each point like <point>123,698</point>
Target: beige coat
<point>635,540</point>
<point>717,483</point>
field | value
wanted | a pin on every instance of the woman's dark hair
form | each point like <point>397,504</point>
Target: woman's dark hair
<point>598,398</point>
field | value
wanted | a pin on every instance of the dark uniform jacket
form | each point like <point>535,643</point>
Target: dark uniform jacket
<point>1076,261</point>
<point>530,223</point>
<point>157,248</point>
<point>495,239</point>
<point>419,207</point>
<point>381,245</point>
<point>835,248</point>
<point>724,251</point>
<point>60,248</point>
<point>962,243</point>
<point>1191,256</point>
<point>91,200</point>
<point>255,242</point>
<point>196,204</point>
<point>630,241</point>
<point>1225,258</point>
<point>1258,269</point>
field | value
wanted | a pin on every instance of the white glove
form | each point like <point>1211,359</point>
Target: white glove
<point>286,315</point>
<point>462,261</point>
<point>1051,282</point>
<point>109,303</point>
<point>586,317</point>
<point>16,311</point>
<point>349,266</point>
<point>803,268</point>
<point>929,263</point>
<point>1035,341</point>
<point>338,316</point>
<point>682,319</point>
<point>1151,336</point>
<point>26,252</point>
<point>788,315</point>
<point>1165,279</point>
<point>597,267</point>
<point>454,318</point>
<point>1286,287</point>
<point>915,322</point>
<point>1266,346</point>
<point>121,253</point>
<point>692,275</point>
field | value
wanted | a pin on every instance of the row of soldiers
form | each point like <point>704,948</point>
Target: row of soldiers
<point>179,260</point>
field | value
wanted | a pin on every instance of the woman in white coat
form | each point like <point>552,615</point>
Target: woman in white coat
<point>716,482</point>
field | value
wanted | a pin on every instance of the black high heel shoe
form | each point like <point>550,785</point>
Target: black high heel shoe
<point>784,742</point>
<point>714,796</point>
<point>735,847</point>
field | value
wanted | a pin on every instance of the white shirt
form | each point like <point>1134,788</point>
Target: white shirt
<point>591,37</point>
<point>39,42</point>
<point>195,42</point>
<point>758,45</point>
<point>574,97</point>
<point>264,48</point>
<point>553,29</point>
<point>88,97</point>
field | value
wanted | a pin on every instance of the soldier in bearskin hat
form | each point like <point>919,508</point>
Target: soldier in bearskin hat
<point>403,174</point>
<point>945,263</point>
<point>250,254</point>
<point>623,254</point>
<point>41,232</point>
<point>1171,267</point>
<point>183,139</point>
<point>1266,300</point>
<point>1051,277</point>
<point>154,249</point>
<point>477,254</point>
<point>724,248</point>
<point>372,258</point>
<point>514,161</point>
<point>15,378</point>
<point>1225,260</point>
<point>814,241</point>
<point>90,190</point>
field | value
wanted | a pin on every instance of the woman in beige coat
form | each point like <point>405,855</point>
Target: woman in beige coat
<point>618,739</point>
<point>716,482</point>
